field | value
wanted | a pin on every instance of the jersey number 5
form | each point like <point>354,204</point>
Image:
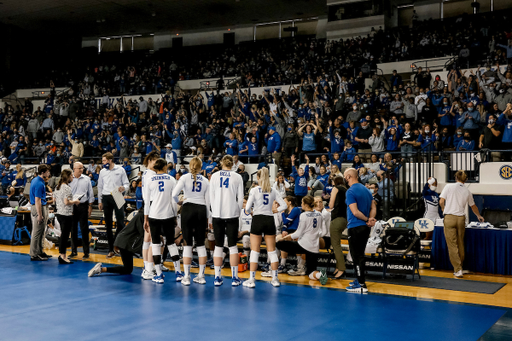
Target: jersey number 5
<point>161,186</point>
<point>265,199</point>
<point>224,183</point>
<point>196,187</point>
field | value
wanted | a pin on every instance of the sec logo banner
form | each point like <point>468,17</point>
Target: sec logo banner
<point>506,172</point>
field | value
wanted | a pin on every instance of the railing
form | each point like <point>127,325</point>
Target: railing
<point>434,64</point>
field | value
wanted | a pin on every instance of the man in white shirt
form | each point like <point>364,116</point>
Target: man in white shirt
<point>112,178</point>
<point>454,200</point>
<point>236,163</point>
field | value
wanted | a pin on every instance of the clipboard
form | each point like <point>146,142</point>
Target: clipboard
<point>118,198</point>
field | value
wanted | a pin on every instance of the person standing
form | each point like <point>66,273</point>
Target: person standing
<point>81,184</point>
<point>226,199</point>
<point>338,224</point>
<point>39,213</point>
<point>112,178</point>
<point>194,217</point>
<point>361,211</point>
<point>64,201</point>
<point>454,200</point>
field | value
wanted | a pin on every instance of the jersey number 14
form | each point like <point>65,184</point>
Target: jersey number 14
<point>224,183</point>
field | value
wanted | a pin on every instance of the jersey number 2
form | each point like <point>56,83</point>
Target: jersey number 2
<point>224,183</point>
<point>161,186</point>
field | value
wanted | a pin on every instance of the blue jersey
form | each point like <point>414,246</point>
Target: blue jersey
<point>308,142</point>
<point>291,220</point>
<point>301,182</point>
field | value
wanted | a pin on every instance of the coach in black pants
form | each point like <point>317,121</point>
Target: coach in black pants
<point>81,185</point>
<point>361,211</point>
<point>112,178</point>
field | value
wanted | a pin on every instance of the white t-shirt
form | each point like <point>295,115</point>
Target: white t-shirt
<point>263,201</point>
<point>280,188</point>
<point>194,192</point>
<point>457,198</point>
<point>148,173</point>
<point>160,187</point>
<point>245,221</point>
<point>326,223</point>
<point>226,194</point>
<point>307,233</point>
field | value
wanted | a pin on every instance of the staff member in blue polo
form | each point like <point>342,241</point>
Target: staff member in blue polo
<point>361,211</point>
<point>112,178</point>
<point>39,213</point>
<point>81,184</point>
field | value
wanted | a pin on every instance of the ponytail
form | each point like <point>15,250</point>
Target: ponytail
<point>264,180</point>
<point>195,166</point>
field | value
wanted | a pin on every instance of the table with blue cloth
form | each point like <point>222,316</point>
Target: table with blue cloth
<point>7,226</point>
<point>487,251</point>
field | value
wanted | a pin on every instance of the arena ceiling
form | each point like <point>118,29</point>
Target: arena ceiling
<point>90,18</point>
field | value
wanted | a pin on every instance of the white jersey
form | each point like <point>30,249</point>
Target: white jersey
<point>160,187</point>
<point>307,233</point>
<point>263,201</point>
<point>326,223</point>
<point>148,173</point>
<point>245,221</point>
<point>226,194</point>
<point>194,192</point>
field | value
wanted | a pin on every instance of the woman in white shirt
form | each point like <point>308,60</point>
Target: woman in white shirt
<point>194,217</point>
<point>305,240</point>
<point>263,197</point>
<point>160,214</point>
<point>281,185</point>
<point>64,201</point>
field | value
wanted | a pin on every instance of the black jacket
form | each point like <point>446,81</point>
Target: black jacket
<point>131,237</point>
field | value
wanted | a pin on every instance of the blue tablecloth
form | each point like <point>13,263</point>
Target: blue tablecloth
<point>487,251</point>
<point>7,225</point>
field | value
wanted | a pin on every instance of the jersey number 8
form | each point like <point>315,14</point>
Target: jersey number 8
<point>314,223</point>
<point>224,183</point>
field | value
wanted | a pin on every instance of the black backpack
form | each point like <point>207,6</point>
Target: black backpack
<point>399,240</point>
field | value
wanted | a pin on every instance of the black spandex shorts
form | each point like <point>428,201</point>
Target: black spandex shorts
<point>194,222</point>
<point>163,227</point>
<point>228,227</point>
<point>263,225</point>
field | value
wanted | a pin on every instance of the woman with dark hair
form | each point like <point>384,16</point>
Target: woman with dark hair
<point>357,163</point>
<point>64,201</point>
<point>338,223</point>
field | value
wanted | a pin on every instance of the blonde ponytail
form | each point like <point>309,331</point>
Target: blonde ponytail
<point>195,166</point>
<point>264,180</point>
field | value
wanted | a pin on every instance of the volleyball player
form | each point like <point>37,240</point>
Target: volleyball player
<point>194,217</point>
<point>160,215</point>
<point>263,197</point>
<point>226,198</point>
<point>307,239</point>
<point>149,266</point>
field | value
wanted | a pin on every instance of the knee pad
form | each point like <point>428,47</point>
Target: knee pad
<point>211,237</point>
<point>246,241</point>
<point>145,245</point>
<point>201,251</point>
<point>156,249</point>
<point>187,252</point>
<point>272,255</point>
<point>233,250</point>
<point>173,250</point>
<point>218,252</point>
<point>312,276</point>
<point>254,257</point>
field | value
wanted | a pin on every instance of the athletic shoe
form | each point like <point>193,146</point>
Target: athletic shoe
<point>299,272</point>
<point>179,276</point>
<point>159,279</point>
<point>73,255</point>
<point>199,280</point>
<point>185,280</point>
<point>38,258</point>
<point>236,282</point>
<point>465,272</point>
<point>250,283</point>
<point>266,273</point>
<point>323,277</point>
<point>164,268</point>
<point>95,271</point>
<point>281,269</point>
<point>356,287</point>
<point>209,262</point>
<point>147,274</point>
<point>85,257</point>
<point>275,282</point>
<point>458,274</point>
<point>218,281</point>
<point>194,265</point>
<point>110,255</point>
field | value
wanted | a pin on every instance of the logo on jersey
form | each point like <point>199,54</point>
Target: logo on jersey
<point>506,172</point>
